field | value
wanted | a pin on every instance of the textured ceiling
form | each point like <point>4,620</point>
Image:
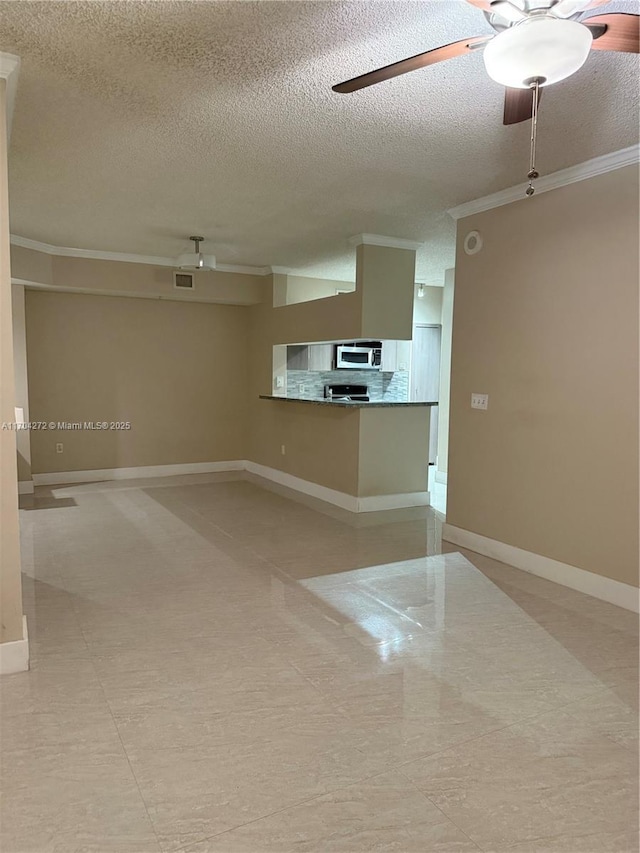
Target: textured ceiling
<point>137,124</point>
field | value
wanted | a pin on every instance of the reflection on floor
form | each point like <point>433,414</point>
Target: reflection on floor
<point>219,668</point>
<point>438,492</point>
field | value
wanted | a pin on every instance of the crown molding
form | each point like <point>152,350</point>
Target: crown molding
<point>123,257</point>
<point>580,172</point>
<point>91,254</point>
<point>280,270</point>
<point>200,298</point>
<point>380,240</point>
<point>9,71</point>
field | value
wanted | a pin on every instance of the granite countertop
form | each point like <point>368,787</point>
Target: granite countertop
<point>375,404</point>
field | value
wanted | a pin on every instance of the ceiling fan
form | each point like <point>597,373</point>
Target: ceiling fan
<point>537,40</point>
<point>538,43</point>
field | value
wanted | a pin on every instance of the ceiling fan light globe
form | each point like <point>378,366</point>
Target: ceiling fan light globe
<point>550,49</point>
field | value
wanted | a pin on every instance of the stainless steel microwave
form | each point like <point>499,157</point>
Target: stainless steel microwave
<point>359,355</point>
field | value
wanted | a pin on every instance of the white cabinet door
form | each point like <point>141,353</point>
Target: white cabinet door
<point>320,357</point>
<point>389,356</point>
<point>396,355</point>
<point>403,355</point>
<point>297,357</point>
<point>425,364</point>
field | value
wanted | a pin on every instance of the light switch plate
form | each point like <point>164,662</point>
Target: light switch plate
<point>279,381</point>
<point>480,401</point>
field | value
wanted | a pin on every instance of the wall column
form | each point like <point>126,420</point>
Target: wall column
<point>23,436</point>
<point>14,654</point>
<point>445,377</point>
<point>385,279</point>
<point>279,289</point>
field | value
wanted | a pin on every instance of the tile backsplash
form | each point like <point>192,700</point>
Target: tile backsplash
<point>392,387</point>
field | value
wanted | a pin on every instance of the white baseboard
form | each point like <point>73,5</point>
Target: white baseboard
<point>441,477</point>
<point>606,589</point>
<point>341,499</point>
<point>61,478</point>
<point>25,487</point>
<point>375,503</point>
<point>14,656</point>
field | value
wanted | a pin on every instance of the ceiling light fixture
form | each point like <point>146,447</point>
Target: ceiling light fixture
<point>196,260</point>
<point>421,291</point>
<point>540,48</point>
<point>537,43</point>
<point>537,51</point>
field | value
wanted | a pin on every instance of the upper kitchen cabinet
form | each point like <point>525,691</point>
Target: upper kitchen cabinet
<point>396,355</point>
<point>320,357</point>
<point>310,357</point>
<point>297,357</point>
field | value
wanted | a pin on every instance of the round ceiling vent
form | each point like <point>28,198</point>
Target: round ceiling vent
<point>472,243</point>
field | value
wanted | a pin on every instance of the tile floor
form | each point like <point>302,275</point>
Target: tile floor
<point>219,668</point>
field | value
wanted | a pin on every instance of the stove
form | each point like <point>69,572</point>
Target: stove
<point>347,393</point>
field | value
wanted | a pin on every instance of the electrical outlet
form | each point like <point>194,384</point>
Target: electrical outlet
<point>59,447</point>
<point>282,449</point>
<point>480,401</point>
<point>302,388</point>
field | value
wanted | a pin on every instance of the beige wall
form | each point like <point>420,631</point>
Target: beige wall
<point>339,318</point>
<point>303,289</point>
<point>546,323</point>
<point>29,265</point>
<point>279,286</point>
<point>23,437</point>
<point>394,450</point>
<point>321,442</point>
<point>386,277</point>
<point>10,581</point>
<point>178,372</point>
<point>87,275</point>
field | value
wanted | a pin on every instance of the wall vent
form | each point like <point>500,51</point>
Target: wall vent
<point>183,280</point>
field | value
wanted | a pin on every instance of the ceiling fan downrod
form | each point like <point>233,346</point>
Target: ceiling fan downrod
<point>533,172</point>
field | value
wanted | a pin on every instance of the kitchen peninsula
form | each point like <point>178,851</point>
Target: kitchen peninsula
<point>362,454</point>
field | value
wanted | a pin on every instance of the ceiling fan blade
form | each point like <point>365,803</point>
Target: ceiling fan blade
<point>421,60</point>
<point>567,8</point>
<point>621,33</point>
<point>518,105</point>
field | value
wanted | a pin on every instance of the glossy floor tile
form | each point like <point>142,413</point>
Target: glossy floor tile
<point>217,667</point>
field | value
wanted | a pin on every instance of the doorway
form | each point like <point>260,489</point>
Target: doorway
<point>424,382</point>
